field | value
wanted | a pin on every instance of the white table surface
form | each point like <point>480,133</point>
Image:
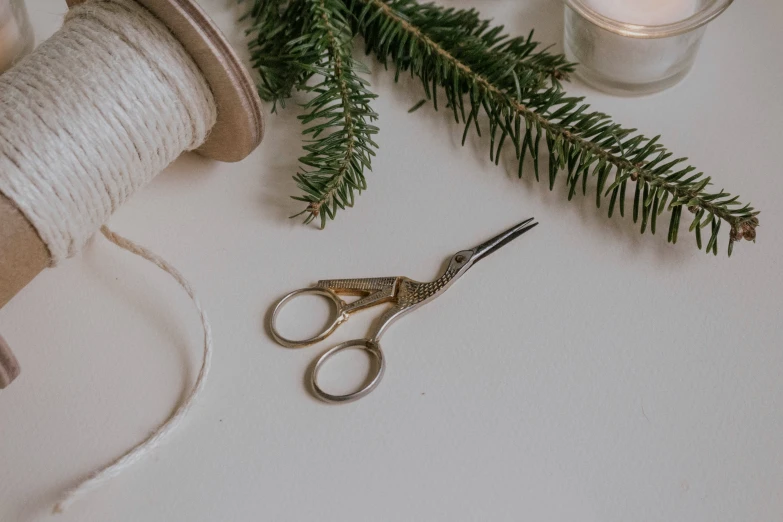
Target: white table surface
<point>584,373</point>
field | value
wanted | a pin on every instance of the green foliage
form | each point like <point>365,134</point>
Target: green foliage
<point>308,38</point>
<point>485,78</point>
<point>461,29</point>
<point>282,64</point>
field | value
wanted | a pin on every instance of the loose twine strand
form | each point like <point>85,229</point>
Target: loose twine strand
<point>86,120</point>
<point>97,478</point>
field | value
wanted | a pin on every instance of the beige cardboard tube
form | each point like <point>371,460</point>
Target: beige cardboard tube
<point>22,252</point>
<point>22,257</point>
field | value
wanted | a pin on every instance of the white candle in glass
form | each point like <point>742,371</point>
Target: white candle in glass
<point>645,12</point>
<point>636,46</point>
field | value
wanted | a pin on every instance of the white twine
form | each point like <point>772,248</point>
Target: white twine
<point>135,454</point>
<point>91,116</point>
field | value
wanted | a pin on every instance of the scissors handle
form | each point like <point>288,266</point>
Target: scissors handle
<point>373,378</point>
<point>383,293</point>
<point>339,316</point>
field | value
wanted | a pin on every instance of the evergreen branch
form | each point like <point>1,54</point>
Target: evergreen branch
<point>465,29</point>
<point>341,144</point>
<point>281,59</point>
<point>451,50</point>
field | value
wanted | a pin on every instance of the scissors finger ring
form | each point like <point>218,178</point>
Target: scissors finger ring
<point>338,318</point>
<point>372,348</point>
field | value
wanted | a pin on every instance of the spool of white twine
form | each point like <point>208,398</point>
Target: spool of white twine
<point>86,120</point>
<point>92,115</point>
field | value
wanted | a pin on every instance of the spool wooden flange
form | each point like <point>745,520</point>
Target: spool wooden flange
<point>237,132</point>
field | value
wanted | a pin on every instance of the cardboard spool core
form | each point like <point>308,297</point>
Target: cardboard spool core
<point>237,132</point>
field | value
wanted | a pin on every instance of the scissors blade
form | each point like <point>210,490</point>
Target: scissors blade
<point>501,240</point>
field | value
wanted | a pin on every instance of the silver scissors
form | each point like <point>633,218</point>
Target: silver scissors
<point>404,294</point>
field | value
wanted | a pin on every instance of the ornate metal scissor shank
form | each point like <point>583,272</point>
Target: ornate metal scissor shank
<point>404,294</point>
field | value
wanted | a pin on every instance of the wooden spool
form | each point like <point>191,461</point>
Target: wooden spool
<point>237,132</point>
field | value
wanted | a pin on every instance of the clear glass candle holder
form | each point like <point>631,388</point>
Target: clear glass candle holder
<point>632,59</point>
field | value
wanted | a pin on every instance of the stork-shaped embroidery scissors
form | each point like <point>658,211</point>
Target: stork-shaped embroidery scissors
<point>404,294</point>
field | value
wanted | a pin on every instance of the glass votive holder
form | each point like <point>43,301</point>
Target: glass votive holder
<point>633,59</point>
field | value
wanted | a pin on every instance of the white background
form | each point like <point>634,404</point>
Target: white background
<point>583,373</point>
